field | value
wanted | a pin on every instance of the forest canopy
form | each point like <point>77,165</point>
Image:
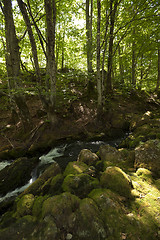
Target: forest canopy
<point>106,44</point>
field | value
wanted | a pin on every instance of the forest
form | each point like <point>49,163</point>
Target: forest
<point>79,119</point>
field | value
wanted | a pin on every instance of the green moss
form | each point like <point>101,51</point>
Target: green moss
<point>61,208</point>
<point>89,223</point>
<point>145,174</point>
<point>24,205</point>
<point>75,168</point>
<point>37,206</point>
<point>117,180</point>
<point>80,184</point>
<point>55,185</point>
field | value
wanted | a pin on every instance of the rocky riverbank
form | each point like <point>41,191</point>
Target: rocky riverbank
<point>111,194</point>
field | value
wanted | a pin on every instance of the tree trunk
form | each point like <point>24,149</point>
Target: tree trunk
<point>133,61</point>
<point>89,12</point>
<point>121,67</point>
<point>110,54</point>
<point>99,82</point>
<point>158,79</point>
<point>31,37</point>
<point>13,65</point>
<point>50,9</point>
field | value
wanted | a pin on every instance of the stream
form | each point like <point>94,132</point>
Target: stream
<point>62,154</point>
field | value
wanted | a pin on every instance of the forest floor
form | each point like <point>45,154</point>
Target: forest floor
<point>76,119</point>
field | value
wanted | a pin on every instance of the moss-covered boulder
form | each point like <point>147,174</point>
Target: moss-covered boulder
<point>120,223</point>
<point>80,184</point>
<point>89,223</point>
<point>110,156</point>
<point>24,205</point>
<point>17,174</point>
<point>109,153</point>
<point>75,168</point>
<point>23,228</point>
<point>37,205</point>
<point>145,174</point>
<point>86,156</point>
<point>56,184</point>
<point>62,209</point>
<point>116,180</point>
<point>147,155</point>
<point>42,184</point>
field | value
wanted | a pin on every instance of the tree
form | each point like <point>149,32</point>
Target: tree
<point>89,13</point>
<point>12,57</point>
<point>23,9</point>
<point>99,82</point>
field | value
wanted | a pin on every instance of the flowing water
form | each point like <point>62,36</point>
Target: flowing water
<point>62,154</point>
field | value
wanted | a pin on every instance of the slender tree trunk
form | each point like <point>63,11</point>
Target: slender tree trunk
<point>50,9</point>
<point>110,54</point>
<point>13,65</point>
<point>22,7</point>
<point>104,56</point>
<point>99,82</point>
<point>158,79</point>
<point>89,10</point>
<point>133,61</point>
<point>121,68</point>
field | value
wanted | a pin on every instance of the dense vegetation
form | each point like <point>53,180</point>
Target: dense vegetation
<point>80,70</point>
<point>104,45</point>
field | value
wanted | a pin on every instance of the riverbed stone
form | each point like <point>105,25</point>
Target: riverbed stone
<point>116,180</point>
<point>108,153</point>
<point>86,156</point>
<point>145,174</point>
<point>80,184</point>
<point>89,223</point>
<point>61,208</point>
<point>75,168</point>
<point>24,205</point>
<point>147,155</point>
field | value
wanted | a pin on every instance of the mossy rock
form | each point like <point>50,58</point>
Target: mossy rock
<point>80,184</point>
<point>144,174</point>
<point>55,184</point>
<point>75,168</point>
<point>109,154</point>
<point>116,180</point>
<point>111,209</point>
<point>147,155</point>
<point>61,208</point>
<point>42,184</point>
<point>23,228</point>
<point>87,157</point>
<point>24,205</point>
<point>89,223</point>
<point>157,183</point>
<point>17,174</point>
<point>37,206</point>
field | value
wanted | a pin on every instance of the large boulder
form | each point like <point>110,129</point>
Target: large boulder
<point>17,174</point>
<point>24,205</point>
<point>80,184</point>
<point>147,155</point>
<point>89,223</point>
<point>116,180</point>
<point>75,168</point>
<point>86,156</point>
<point>61,209</point>
<point>110,154</point>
